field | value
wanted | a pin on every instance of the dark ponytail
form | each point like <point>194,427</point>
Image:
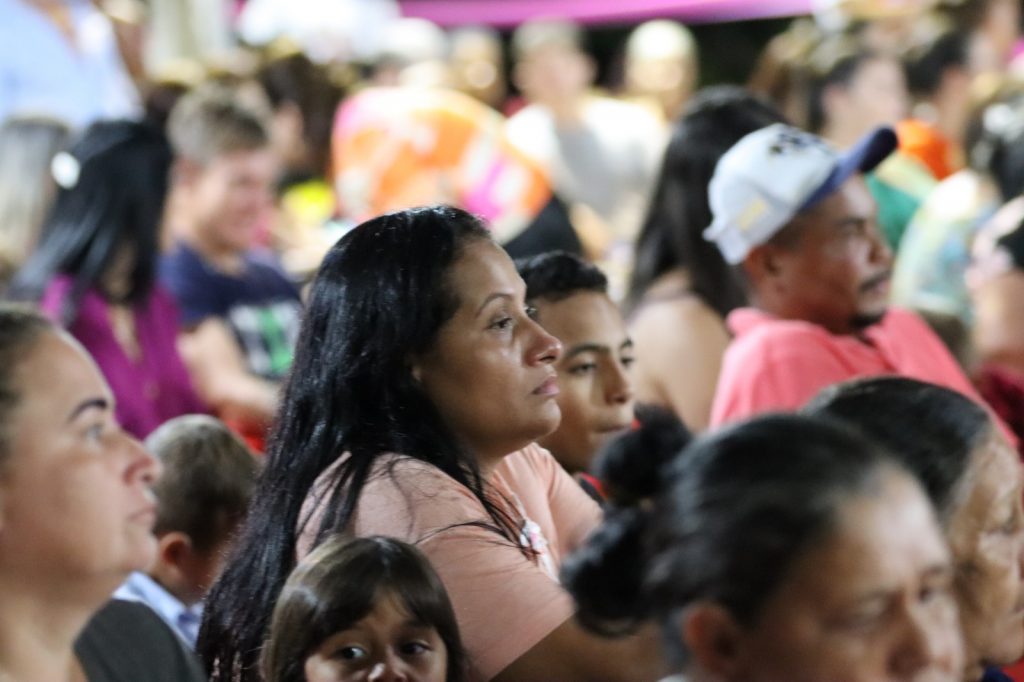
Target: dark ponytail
<point>730,515</point>
<point>605,576</point>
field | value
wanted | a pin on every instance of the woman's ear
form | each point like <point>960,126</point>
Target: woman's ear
<point>714,639</point>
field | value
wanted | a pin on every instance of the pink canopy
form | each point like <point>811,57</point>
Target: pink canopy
<point>514,12</point>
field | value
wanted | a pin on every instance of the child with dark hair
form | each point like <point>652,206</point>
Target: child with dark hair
<point>209,476</point>
<point>570,297</point>
<point>363,608</point>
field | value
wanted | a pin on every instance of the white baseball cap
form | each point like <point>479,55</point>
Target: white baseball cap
<point>774,173</point>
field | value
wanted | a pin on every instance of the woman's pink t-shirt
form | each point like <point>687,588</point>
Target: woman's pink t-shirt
<point>505,603</point>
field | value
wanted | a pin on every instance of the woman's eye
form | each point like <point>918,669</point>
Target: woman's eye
<point>531,312</point>
<point>503,323</point>
<point>936,591</point>
<point>95,432</point>
<point>627,362</point>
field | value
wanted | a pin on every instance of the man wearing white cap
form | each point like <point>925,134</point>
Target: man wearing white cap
<point>798,220</point>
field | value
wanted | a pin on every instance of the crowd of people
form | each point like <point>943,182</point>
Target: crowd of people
<point>351,348</point>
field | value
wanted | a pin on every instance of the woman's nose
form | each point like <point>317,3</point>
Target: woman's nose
<point>142,465</point>
<point>544,348</point>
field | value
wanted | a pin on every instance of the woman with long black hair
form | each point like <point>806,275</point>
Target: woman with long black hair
<point>420,383</point>
<point>94,269</point>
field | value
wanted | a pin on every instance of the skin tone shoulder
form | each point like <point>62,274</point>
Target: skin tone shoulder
<point>683,334</point>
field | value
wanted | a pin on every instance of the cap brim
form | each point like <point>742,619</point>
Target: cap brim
<point>863,157</point>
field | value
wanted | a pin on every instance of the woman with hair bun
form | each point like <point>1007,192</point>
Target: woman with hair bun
<point>785,548</point>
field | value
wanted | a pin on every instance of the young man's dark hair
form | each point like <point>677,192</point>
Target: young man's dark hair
<point>556,275</point>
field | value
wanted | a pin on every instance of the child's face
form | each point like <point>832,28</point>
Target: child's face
<point>387,645</point>
<point>594,375</point>
<point>231,198</point>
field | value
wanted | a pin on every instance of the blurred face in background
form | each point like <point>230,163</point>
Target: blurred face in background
<point>876,95</point>
<point>986,536</point>
<point>229,200</point>
<point>554,74</point>
<point>478,67</point>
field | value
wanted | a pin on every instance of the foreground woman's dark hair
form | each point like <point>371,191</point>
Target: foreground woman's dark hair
<point>380,296</point>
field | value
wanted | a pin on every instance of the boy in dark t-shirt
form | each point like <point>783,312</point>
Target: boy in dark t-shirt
<point>240,312</point>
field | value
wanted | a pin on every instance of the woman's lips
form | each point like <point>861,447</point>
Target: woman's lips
<point>549,387</point>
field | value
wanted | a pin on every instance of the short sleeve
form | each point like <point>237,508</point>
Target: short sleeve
<point>574,513</point>
<point>190,288</point>
<point>504,602</point>
<point>484,573</point>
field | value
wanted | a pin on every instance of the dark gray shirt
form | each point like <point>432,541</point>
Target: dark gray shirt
<point>127,642</point>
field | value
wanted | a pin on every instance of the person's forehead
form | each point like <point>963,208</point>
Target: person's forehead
<point>580,311</point>
<point>481,270</point>
<point>852,199</point>
<point>890,526</point>
<point>58,372</point>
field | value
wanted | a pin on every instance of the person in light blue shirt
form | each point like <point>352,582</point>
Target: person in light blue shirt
<point>61,59</point>
<point>209,476</point>
<point>183,619</point>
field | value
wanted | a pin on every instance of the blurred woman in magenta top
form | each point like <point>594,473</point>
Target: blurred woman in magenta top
<point>93,270</point>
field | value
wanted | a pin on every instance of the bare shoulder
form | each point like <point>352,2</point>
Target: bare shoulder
<point>685,321</point>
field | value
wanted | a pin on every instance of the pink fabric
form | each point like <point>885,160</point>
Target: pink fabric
<point>504,602</point>
<point>514,12</point>
<point>775,364</point>
<point>148,390</point>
